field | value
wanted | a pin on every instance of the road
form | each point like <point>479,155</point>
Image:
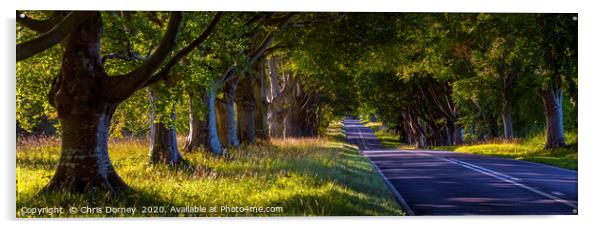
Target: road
<point>447,183</point>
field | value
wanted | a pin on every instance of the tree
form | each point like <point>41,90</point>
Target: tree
<point>86,97</point>
<point>558,42</point>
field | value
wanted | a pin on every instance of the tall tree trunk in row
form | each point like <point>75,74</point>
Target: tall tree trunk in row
<point>231,132</point>
<point>552,102</point>
<point>85,114</point>
<point>507,120</point>
<point>276,108</point>
<point>203,128</point>
<point>197,125</point>
<point>508,77</point>
<point>163,138</point>
<point>220,115</point>
<point>261,102</point>
<point>246,109</point>
<point>213,141</point>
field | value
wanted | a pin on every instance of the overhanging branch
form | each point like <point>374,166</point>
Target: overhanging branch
<point>52,37</point>
<point>185,51</point>
<point>40,26</point>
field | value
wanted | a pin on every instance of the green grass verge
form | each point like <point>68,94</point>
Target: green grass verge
<point>305,177</point>
<point>529,149</point>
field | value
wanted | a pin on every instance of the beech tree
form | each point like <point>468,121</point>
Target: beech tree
<point>86,97</point>
<point>558,42</point>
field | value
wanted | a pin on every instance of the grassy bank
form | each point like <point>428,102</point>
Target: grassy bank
<point>529,149</point>
<point>311,176</point>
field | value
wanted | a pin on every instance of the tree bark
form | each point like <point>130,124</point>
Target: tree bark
<point>198,125</point>
<point>552,102</point>
<point>507,121</point>
<point>85,115</point>
<point>229,96</point>
<point>213,141</point>
<point>458,137</point>
<point>163,138</point>
<point>261,103</point>
<point>246,109</point>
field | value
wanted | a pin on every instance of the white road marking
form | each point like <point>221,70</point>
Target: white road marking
<point>482,170</point>
<point>505,178</point>
<point>558,193</point>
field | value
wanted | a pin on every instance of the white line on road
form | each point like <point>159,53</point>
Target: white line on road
<point>505,178</point>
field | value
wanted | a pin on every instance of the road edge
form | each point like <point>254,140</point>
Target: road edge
<point>400,200</point>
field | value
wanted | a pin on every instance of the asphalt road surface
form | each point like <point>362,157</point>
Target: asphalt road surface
<point>447,183</point>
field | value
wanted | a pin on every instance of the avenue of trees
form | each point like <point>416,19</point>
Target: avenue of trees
<point>223,79</point>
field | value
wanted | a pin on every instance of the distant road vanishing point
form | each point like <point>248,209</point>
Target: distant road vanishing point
<point>429,182</point>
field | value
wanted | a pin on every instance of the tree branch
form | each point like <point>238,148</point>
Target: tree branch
<point>184,52</point>
<point>40,26</point>
<point>167,44</point>
<point>146,74</point>
<point>52,37</point>
<point>125,85</point>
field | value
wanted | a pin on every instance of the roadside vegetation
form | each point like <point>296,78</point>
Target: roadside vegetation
<point>530,148</point>
<point>304,176</point>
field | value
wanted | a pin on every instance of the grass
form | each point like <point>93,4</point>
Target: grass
<point>298,177</point>
<point>528,149</point>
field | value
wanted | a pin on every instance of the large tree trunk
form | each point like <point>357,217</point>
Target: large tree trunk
<point>552,103</point>
<point>85,115</point>
<point>163,138</point>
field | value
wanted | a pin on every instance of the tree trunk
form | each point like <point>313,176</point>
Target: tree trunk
<point>221,120</point>
<point>231,133</point>
<point>454,134</point>
<point>493,127</point>
<point>198,125</point>
<point>552,103</point>
<point>163,138</point>
<point>84,114</point>
<point>458,137</point>
<point>246,110</point>
<point>261,110</point>
<point>213,141</point>
<point>507,120</point>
